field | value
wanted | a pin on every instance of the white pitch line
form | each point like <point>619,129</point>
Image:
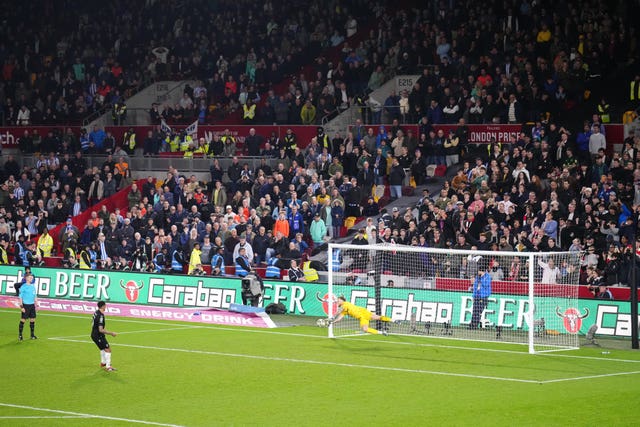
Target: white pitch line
<point>82,415</point>
<point>589,377</point>
<point>324,337</point>
<point>44,417</point>
<point>84,316</point>
<point>135,332</point>
<point>313,362</point>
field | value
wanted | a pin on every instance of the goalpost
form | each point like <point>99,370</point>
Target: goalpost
<point>533,297</point>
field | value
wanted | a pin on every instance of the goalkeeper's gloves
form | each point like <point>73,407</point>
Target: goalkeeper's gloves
<point>331,320</point>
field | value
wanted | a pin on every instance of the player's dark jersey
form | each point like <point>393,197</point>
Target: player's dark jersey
<point>98,320</point>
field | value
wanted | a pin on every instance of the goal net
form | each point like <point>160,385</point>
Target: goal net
<point>510,297</point>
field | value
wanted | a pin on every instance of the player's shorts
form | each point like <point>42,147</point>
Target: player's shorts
<point>364,317</point>
<point>29,311</point>
<point>101,342</point>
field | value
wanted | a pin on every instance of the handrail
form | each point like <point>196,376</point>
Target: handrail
<point>325,119</point>
<point>107,106</point>
<point>93,116</point>
<point>180,86</point>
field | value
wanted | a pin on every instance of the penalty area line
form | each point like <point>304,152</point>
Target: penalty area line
<point>313,362</point>
<point>589,377</point>
<point>83,415</point>
<point>324,337</point>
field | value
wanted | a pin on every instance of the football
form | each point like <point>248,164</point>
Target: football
<point>323,323</point>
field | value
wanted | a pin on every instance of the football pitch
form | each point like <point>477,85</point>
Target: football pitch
<point>172,373</point>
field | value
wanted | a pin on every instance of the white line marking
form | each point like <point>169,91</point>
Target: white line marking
<point>136,332</point>
<point>80,414</point>
<point>358,338</point>
<point>44,417</point>
<point>591,358</point>
<point>588,377</point>
<point>311,362</point>
<point>491,350</point>
<point>84,316</point>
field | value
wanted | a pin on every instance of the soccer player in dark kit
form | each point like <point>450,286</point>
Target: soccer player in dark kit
<point>98,335</point>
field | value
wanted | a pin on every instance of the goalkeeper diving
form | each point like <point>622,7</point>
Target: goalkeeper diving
<point>359,313</point>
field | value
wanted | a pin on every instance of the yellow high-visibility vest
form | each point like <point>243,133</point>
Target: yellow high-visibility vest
<point>310,274</point>
<point>634,90</point>
<point>249,112</point>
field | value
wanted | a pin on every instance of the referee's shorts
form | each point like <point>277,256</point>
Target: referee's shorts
<point>101,342</point>
<point>29,311</point>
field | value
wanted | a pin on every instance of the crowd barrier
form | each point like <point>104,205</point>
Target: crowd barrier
<point>482,134</point>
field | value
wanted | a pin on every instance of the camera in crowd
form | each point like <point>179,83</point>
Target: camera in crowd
<point>252,289</point>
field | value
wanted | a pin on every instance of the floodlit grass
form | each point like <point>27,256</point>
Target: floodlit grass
<point>183,374</point>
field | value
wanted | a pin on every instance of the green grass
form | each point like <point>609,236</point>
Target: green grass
<point>184,374</point>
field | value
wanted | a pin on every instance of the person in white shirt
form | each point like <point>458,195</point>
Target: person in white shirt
<point>520,167</point>
<point>550,272</point>
<point>597,141</point>
<point>24,116</point>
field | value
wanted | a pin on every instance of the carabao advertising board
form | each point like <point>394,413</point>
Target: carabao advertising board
<point>311,299</point>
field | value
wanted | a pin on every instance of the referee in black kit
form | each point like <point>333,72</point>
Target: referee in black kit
<point>98,333</point>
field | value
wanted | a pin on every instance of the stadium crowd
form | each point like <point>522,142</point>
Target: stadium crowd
<point>523,60</point>
<point>552,187</point>
<point>60,64</point>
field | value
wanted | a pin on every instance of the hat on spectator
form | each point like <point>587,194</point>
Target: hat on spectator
<point>243,235</point>
<point>229,207</point>
<point>395,209</point>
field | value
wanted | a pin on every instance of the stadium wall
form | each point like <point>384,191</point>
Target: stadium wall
<point>481,134</point>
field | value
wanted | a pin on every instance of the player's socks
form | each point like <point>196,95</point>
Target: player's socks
<point>107,359</point>
<point>20,328</point>
<point>385,319</point>
<point>102,358</point>
<point>32,325</point>
<point>373,331</point>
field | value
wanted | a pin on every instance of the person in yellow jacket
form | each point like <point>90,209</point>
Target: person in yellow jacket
<point>195,264</point>
<point>203,147</point>
<point>604,111</point>
<point>188,153</point>
<point>85,259</point>
<point>634,90</point>
<point>174,142</point>
<point>4,256</point>
<point>249,111</point>
<point>45,244</point>
<point>69,259</point>
<point>310,274</point>
<point>308,113</point>
<point>186,142</point>
<point>129,141</point>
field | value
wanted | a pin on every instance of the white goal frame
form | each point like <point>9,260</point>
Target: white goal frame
<point>530,257</point>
